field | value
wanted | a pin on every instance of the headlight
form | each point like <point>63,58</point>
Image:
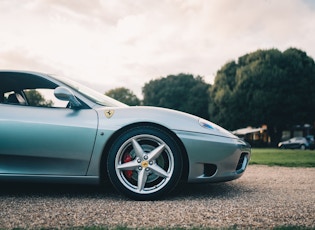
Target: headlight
<point>211,126</point>
<point>205,124</point>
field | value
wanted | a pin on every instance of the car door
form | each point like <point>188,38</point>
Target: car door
<point>293,143</point>
<point>46,141</point>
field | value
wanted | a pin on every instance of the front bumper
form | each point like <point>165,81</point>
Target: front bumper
<point>214,158</point>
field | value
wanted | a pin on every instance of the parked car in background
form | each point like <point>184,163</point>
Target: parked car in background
<point>295,143</point>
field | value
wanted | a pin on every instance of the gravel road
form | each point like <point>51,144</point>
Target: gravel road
<point>264,197</point>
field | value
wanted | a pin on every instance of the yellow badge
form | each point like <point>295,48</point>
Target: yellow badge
<point>109,113</point>
<point>144,164</point>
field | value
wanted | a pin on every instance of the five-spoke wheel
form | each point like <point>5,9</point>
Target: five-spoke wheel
<point>144,163</point>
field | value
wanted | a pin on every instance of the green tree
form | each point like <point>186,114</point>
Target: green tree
<point>265,87</point>
<point>35,98</point>
<point>221,99</point>
<point>182,92</point>
<point>124,95</point>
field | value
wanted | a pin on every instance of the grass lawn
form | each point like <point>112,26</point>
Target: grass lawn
<point>283,157</point>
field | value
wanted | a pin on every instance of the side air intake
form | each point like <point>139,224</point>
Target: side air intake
<point>242,163</point>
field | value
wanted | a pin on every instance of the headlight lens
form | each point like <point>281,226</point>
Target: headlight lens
<point>213,127</point>
<point>205,124</point>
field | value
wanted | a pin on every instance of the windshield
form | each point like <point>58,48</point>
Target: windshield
<point>91,94</point>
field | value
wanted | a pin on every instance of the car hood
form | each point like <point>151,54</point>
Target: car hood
<point>117,117</point>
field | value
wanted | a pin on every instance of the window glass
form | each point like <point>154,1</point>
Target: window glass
<point>43,98</point>
<point>91,94</point>
<point>6,96</point>
<point>12,97</point>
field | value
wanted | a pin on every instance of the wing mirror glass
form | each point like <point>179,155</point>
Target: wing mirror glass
<point>65,94</point>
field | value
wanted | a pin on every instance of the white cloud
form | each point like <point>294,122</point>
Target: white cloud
<point>127,43</point>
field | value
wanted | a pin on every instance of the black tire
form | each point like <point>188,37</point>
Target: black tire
<point>144,163</point>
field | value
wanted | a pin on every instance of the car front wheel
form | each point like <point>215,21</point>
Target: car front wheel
<point>144,163</point>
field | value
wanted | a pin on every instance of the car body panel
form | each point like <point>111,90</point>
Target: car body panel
<point>48,141</point>
<point>210,149</point>
<point>204,146</point>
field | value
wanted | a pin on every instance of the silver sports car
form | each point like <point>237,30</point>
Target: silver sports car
<point>54,129</point>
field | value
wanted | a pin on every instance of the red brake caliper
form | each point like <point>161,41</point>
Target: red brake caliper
<point>127,173</point>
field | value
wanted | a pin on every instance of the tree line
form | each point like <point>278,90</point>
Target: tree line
<point>265,87</point>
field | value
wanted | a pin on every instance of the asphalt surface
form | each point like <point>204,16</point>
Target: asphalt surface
<point>264,198</point>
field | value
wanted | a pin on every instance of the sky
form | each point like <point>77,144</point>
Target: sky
<point>126,43</point>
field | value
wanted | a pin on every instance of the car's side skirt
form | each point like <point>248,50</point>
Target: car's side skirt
<point>50,179</point>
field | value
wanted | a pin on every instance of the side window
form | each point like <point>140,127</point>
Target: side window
<point>43,98</point>
<point>13,98</point>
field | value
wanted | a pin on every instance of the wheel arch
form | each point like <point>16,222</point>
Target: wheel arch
<point>103,165</point>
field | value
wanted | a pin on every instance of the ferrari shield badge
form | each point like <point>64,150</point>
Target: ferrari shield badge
<point>109,113</point>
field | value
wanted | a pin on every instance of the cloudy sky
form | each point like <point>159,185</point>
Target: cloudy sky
<point>114,43</point>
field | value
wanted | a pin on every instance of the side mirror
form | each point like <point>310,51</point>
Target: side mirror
<point>64,94</point>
